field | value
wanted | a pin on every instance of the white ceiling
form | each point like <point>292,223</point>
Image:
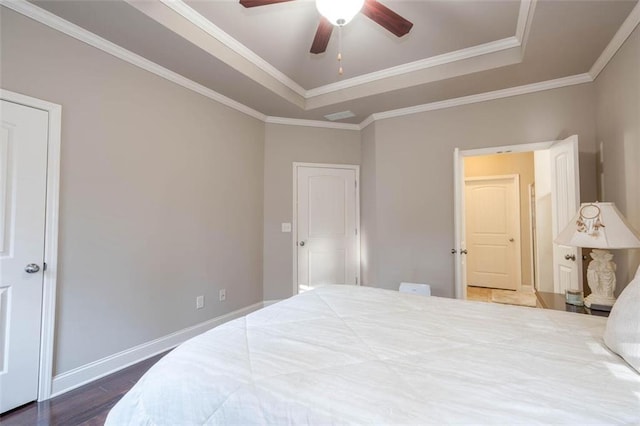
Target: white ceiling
<point>260,57</point>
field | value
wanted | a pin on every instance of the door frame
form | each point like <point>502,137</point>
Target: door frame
<point>515,179</point>
<point>460,290</point>
<point>49,280</point>
<point>294,221</point>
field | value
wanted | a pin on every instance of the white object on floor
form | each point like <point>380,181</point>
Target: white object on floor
<point>416,288</point>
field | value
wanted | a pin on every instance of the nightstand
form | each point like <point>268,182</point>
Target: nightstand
<point>557,302</point>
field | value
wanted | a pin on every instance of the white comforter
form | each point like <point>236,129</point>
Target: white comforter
<point>343,355</point>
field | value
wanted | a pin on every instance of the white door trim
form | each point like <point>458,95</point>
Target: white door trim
<point>294,220</point>
<point>45,374</point>
<point>460,290</point>
<point>532,235</point>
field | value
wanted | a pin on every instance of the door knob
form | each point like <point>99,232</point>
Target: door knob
<point>463,251</point>
<point>570,257</point>
<point>301,243</point>
<point>31,268</point>
<point>511,240</point>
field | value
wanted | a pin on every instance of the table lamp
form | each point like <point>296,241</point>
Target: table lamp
<point>600,226</point>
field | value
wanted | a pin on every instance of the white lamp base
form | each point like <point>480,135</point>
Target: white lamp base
<point>594,299</point>
<point>601,277</point>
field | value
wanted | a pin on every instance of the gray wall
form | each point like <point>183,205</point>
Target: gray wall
<point>285,145</point>
<point>161,195</point>
<point>618,127</point>
<point>414,173</point>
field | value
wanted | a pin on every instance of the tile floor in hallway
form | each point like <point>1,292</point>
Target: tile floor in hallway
<point>509,297</point>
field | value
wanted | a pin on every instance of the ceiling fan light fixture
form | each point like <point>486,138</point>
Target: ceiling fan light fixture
<point>339,12</point>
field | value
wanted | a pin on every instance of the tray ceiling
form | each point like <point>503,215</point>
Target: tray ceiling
<point>260,57</point>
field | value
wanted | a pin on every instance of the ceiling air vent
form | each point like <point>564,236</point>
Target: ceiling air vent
<point>339,115</point>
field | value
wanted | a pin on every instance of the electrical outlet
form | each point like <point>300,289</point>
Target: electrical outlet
<point>222,295</point>
<point>199,302</point>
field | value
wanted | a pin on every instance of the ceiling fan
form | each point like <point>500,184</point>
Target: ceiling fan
<point>340,12</point>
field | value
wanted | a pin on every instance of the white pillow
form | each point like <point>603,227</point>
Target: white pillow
<point>622,334</point>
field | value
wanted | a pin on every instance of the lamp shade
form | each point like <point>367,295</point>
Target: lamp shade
<point>599,225</point>
<point>339,12</point>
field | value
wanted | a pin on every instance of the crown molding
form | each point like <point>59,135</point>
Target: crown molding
<point>481,97</point>
<point>53,21</point>
<point>311,123</point>
<point>164,15</point>
<point>525,10</point>
<point>423,64</point>
<point>370,119</point>
<point>187,12</point>
<point>524,24</point>
<point>216,32</point>
<point>525,15</point>
<point>202,23</point>
<point>616,42</point>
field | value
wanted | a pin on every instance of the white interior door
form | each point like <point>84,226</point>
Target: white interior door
<point>565,200</point>
<point>327,226</point>
<point>492,224</point>
<point>23,167</point>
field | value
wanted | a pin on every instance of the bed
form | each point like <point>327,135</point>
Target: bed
<point>360,355</point>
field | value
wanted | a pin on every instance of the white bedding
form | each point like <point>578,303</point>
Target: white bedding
<point>345,355</point>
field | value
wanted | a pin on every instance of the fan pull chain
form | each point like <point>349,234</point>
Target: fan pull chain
<point>340,70</point>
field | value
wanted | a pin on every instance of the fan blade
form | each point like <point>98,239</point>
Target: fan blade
<point>386,17</point>
<point>254,3</point>
<point>323,34</point>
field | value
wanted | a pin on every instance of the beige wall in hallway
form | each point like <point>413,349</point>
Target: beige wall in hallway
<point>160,197</point>
<point>618,128</point>
<point>285,145</point>
<point>506,164</point>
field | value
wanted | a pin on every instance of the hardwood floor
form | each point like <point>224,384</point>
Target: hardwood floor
<point>87,405</point>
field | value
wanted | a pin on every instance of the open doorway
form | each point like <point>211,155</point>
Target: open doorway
<point>500,226</point>
<point>510,203</point>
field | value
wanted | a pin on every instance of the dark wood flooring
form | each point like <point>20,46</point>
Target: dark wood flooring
<point>86,405</point>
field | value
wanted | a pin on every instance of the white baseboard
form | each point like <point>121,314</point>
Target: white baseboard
<point>270,302</point>
<point>87,373</point>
